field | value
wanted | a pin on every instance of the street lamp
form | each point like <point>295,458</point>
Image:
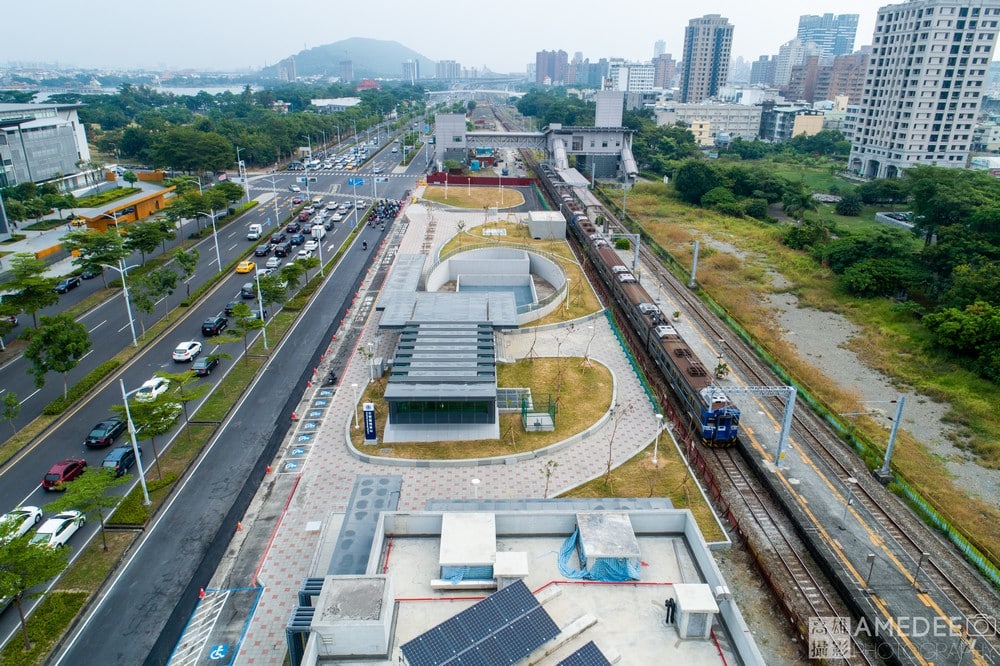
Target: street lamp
<point>354,387</point>
<point>338,134</point>
<point>135,445</point>
<point>215,235</point>
<point>475,487</point>
<point>260,304</point>
<point>659,429</point>
<point>122,269</point>
<point>242,171</point>
<point>324,139</point>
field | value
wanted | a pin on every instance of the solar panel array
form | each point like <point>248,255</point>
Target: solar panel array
<point>502,629</point>
<point>588,655</point>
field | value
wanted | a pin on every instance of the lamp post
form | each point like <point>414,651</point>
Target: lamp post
<point>215,235</point>
<point>260,305</point>
<point>324,139</point>
<point>135,446</point>
<point>871,568</point>
<point>851,483</point>
<point>338,134</point>
<point>659,429</point>
<point>475,487</point>
<point>354,387</point>
<point>309,139</point>
<point>242,171</point>
<point>122,269</point>
<point>274,200</point>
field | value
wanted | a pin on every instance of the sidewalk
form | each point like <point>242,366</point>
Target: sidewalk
<point>38,241</point>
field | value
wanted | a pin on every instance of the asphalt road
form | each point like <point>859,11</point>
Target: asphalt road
<point>21,476</point>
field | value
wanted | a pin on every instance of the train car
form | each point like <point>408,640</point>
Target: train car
<point>704,403</point>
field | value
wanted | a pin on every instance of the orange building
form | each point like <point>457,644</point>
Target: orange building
<point>127,211</point>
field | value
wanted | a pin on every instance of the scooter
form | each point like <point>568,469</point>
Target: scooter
<point>364,245</point>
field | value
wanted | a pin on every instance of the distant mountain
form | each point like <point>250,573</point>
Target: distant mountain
<point>371,58</point>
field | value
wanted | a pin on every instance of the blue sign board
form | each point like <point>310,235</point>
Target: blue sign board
<point>355,182</point>
<point>217,652</point>
<point>369,412</point>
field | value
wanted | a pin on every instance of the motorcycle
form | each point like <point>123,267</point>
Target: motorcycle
<point>364,245</point>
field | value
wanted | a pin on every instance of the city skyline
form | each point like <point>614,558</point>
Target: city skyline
<point>211,37</point>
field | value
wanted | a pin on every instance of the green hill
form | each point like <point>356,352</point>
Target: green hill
<point>372,58</point>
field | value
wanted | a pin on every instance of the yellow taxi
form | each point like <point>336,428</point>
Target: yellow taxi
<point>246,266</point>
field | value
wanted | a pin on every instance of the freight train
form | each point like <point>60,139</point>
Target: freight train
<point>704,403</point>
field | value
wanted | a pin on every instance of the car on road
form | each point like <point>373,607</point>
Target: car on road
<point>310,245</point>
<point>248,290</point>
<point>278,238</point>
<point>296,200</point>
<point>262,250</point>
<point>63,472</point>
<point>57,530</point>
<point>105,433</point>
<point>273,262</point>
<point>293,227</point>
<point>152,389</point>
<point>230,305</point>
<point>336,217</point>
<point>297,239</point>
<point>66,284</point>
<point>187,351</point>
<point>263,272</point>
<point>247,266</point>
<point>203,366</point>
<point>214,325</point>
<point>119,460</point>
<point>282,250</point>
<point>304,254</point>
<point>294,188</point>
<point>20,520</point>
<point>376,169</point>
<point>90,274</point>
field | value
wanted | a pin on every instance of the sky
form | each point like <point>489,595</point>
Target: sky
<point>503,36</point>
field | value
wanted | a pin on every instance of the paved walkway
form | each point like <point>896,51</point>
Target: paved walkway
<point>327,475</point>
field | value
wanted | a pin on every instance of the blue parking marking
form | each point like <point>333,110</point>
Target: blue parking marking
<point>217,652</point>
<point>309,425</point>
<point>321,402</point>
<point>314,413</point>
<point>304,437</point>
<point>326,393</point>
<point>291,466</point>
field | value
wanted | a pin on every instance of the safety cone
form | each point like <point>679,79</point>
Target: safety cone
<point>201,593</point>
<point>295,417</point>
<point>268,471</point>
<point>315,371</point>
<point>239,526</point>
<point>309,384</point>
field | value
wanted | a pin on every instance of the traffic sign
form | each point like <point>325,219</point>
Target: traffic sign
<point>355,182</point>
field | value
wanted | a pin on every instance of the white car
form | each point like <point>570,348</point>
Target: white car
<point>304,254</point>
<point>152,389</point>
<point>57,530</point>
<point>273,262</point>
<point>20,520</point>
<point>310,245</point>
<point>294,188</point>
<point>187,351</point>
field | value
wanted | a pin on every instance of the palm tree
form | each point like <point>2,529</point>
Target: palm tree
<point>797,203</point>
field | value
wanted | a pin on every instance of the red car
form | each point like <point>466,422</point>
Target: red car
<point>62,472</point>
<point>296,200</point>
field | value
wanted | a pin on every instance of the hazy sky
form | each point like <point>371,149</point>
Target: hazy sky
<point>504,36</point>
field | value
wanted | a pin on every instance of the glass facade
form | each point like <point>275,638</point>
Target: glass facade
<point>441,411</point>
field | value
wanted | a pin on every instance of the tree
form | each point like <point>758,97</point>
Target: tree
<point>185,390</point>
<point>849,205</point>
<point>96,249</point>
<point>188,261</point>
<point>152,419</point>
<point>145,236</point>
<point>245,323</point>
<point>796,203</point>
<point>147,290</point>
<point>30,289</point>
<point>24,566</point>
<point>130,178</point>
<point>57,345</point>
<point>693,179</point>
<point>11,409</point>
<point>88,493</point>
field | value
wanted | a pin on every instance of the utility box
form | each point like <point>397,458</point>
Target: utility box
<point>696,610</point>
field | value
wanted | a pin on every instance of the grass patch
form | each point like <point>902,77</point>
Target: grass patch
<point>45,225</point>
<point>229,390</point>
<point>476,197</point>
<point>584,397</point>
<point>669,478</point>
<point>891,341</point>
<point>45,627</point>
<point>95,200</point>
<point>819,179</point>
<point>90,570</point>
<point>14,238</point>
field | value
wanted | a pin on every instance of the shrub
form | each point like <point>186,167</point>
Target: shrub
<point>622,244</point>
<point>756,208</point>
<point>131,511</point>
<point>849,205</point>
<point>731,208</point>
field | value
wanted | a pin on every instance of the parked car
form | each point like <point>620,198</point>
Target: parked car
<point>105,432</point>
<point>214,325</point>
<point>203,366</point>
<point>187,351</point>
<point>66,284</point>
<point>119,460</point>
<point>63,472</point>
<point>20,520</point>
<point>247,266</point>
<point>152,389</point>
<point>57,530</point>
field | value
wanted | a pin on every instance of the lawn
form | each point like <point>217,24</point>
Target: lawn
<point>476,197</point>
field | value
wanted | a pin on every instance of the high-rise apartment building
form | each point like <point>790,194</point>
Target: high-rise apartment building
<point>707,44</point>
<point>659,48</point>
<point>551,68</point>
<point>447,69</point>
<point>924,84</point>
<point>346,70</point>
<point>834,34</point>
<point>666,71</point>
<point>791,54</point>
<point>411,71</point>
<point>762,70</point>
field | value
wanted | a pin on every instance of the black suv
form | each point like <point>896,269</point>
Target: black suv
<point>262,251</point>
<point>105,433</point>
<point>278,238</point>
<point>214,325</point>
<point>282,249</point>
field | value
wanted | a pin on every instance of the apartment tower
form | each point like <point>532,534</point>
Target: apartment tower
<point>707,43</point>
<point>923,86</point>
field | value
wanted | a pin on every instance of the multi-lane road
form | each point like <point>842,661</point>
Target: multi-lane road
<point>189,524</point>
